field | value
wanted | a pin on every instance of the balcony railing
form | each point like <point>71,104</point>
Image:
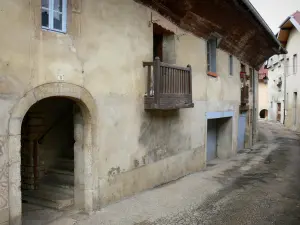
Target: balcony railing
<point>168,86</point>
<point>244,98</point>
<point>245,95</point>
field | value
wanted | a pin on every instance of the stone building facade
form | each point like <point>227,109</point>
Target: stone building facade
<point>72,90</point>
<point>284,75</point>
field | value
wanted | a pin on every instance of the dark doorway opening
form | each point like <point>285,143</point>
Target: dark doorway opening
<point>278,112</point>
<point>163,44</point>
<point>219,138</point>
<point>263,114</point>
<point>47,154</point>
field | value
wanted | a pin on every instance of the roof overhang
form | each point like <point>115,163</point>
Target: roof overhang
<point>244,33</point>
<point>285,28</point>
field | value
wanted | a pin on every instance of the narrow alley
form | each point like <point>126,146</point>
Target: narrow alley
<point>258,186</point>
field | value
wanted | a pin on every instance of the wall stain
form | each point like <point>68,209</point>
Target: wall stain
<point>114,170</point>
<point>136,163</point>
<point>162,134</point>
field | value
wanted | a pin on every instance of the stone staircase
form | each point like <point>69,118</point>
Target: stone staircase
<point>56,188</point>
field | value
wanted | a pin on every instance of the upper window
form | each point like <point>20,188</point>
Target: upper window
<point>295,64</point>
<point>54,15</point>
<point>211,49</point>
<point>271,62</point>
<point>287,66</point>
<point>230,65</point>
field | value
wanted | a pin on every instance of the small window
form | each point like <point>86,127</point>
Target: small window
<point>211,55</point>
<point>54,15</point>
<point>230,65</point>
<point>295,64</point>
<point>271,62</point>
<point>287,66</point>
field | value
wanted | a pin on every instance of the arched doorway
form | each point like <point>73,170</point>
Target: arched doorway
<point>263,114</point>
<point>84,144</point>
<point>47,154</point>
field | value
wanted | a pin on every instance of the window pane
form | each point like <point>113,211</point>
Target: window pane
<point>208,49</point>
<point>45,3</point>
<point>57,21</point>
<point>58,5</point>
<point>45,18</point>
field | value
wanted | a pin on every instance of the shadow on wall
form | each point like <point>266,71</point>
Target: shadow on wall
<point>263,114</point>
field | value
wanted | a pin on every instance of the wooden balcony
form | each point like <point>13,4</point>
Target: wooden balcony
<point>245,95</point>
<point>244,99</point>
<point>168,86</point>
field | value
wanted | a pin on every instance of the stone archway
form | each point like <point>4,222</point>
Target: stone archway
<point>85,149</point>
<point>263,114</point>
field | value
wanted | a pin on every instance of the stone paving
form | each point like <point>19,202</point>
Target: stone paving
<point>243,190</point>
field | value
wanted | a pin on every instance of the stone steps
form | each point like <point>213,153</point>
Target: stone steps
<point>65,164</point>
<point>49,199</point>
<point>62,176</point>
<point>56,189</point>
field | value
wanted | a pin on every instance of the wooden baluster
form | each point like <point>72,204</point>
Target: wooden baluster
<point>181,85</point>
<point>156,69</point>
<point>183,81</point>
<point>177,81</point>
<point>173,82</point>
<point>169,80</point>
<point>149,82</point>
<point>163,80</point>
<point>190,79</point>
<point>187,82</point>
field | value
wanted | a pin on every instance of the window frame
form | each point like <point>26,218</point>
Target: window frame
<point>230,65</point>
<point>51,12</point>
<point>211,48</point>
<point>295,63</point>
<point>287,66</point>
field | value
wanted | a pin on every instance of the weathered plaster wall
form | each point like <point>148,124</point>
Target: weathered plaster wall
<point>103,53</point>
<point>292,85</point>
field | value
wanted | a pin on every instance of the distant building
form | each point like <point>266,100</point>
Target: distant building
<point>263,97</point>
<point>284,76</point>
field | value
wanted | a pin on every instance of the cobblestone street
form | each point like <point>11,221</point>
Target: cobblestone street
<point>258,186</point>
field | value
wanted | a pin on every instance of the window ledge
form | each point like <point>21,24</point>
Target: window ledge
<point>212,74</point>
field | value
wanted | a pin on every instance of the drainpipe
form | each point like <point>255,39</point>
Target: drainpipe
<point>254,116</point>
<point>284,86</point>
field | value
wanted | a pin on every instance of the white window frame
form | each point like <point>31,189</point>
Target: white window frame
<point>287,66</point>
<point>51,16</point>
<point>295,63</point>
<point>230,65</point>
<point>211,48</point>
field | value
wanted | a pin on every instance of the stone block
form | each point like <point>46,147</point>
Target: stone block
<point>22,106</point>
<point>57,89</point>
<point>4,216</point>
<point>14,148</point>
<point>15,124</point>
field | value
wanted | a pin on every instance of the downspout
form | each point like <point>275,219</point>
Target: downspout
<point>284,86</point>
<point>254,116</point>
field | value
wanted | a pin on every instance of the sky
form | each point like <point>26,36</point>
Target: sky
<point>275,12</point>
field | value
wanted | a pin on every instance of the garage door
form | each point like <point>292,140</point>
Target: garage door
<point>211,148</point>
<point>242,131</point>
